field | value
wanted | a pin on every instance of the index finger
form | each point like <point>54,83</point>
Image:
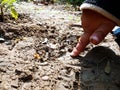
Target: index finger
<point>83,42</point>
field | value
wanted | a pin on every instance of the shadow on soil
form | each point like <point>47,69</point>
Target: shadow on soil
<point>100,70</point>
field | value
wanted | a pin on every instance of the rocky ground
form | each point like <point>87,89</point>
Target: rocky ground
<point>34,52</point>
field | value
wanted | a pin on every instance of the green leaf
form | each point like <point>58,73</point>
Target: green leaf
<point>14,13</point>
<point>4,1</point>
<point>8,7</point>
<point>9,2</point>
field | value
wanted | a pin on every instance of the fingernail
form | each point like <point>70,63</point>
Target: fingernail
<point>94,40</point>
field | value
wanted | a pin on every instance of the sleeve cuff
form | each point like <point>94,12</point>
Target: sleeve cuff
<point>101,11</point>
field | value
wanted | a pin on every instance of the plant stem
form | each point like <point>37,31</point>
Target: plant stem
<point>2,14</point>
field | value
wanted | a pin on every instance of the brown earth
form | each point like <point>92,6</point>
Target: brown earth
<point>34,52</point>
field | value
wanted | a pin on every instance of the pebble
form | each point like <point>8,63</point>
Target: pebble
<point>8,42</point>
<point>45,41</point>
<point>44,64</point>
<point>2,40</point>
<point>45,78</point>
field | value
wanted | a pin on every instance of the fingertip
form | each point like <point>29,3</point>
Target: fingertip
<point>83,42</point>
<point>98,36</point>
<point>94,39</point>
<point>100,33</point>
<point>74,53</point>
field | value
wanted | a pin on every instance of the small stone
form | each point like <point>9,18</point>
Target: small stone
<point>61,86</point>
<point>45,78</point>
<point>44,64</point>
<point>45,41</point>
<point>8,42</point>
<point>14,84</point>
<point>2,40</point>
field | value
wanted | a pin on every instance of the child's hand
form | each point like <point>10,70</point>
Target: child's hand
<point>96,27</point>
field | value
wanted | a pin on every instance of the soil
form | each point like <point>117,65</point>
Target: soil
<point>35,52</point>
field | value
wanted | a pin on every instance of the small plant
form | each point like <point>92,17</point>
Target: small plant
<point>6,5</point>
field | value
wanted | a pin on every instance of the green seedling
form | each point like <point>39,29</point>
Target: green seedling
<point>6,5</point>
